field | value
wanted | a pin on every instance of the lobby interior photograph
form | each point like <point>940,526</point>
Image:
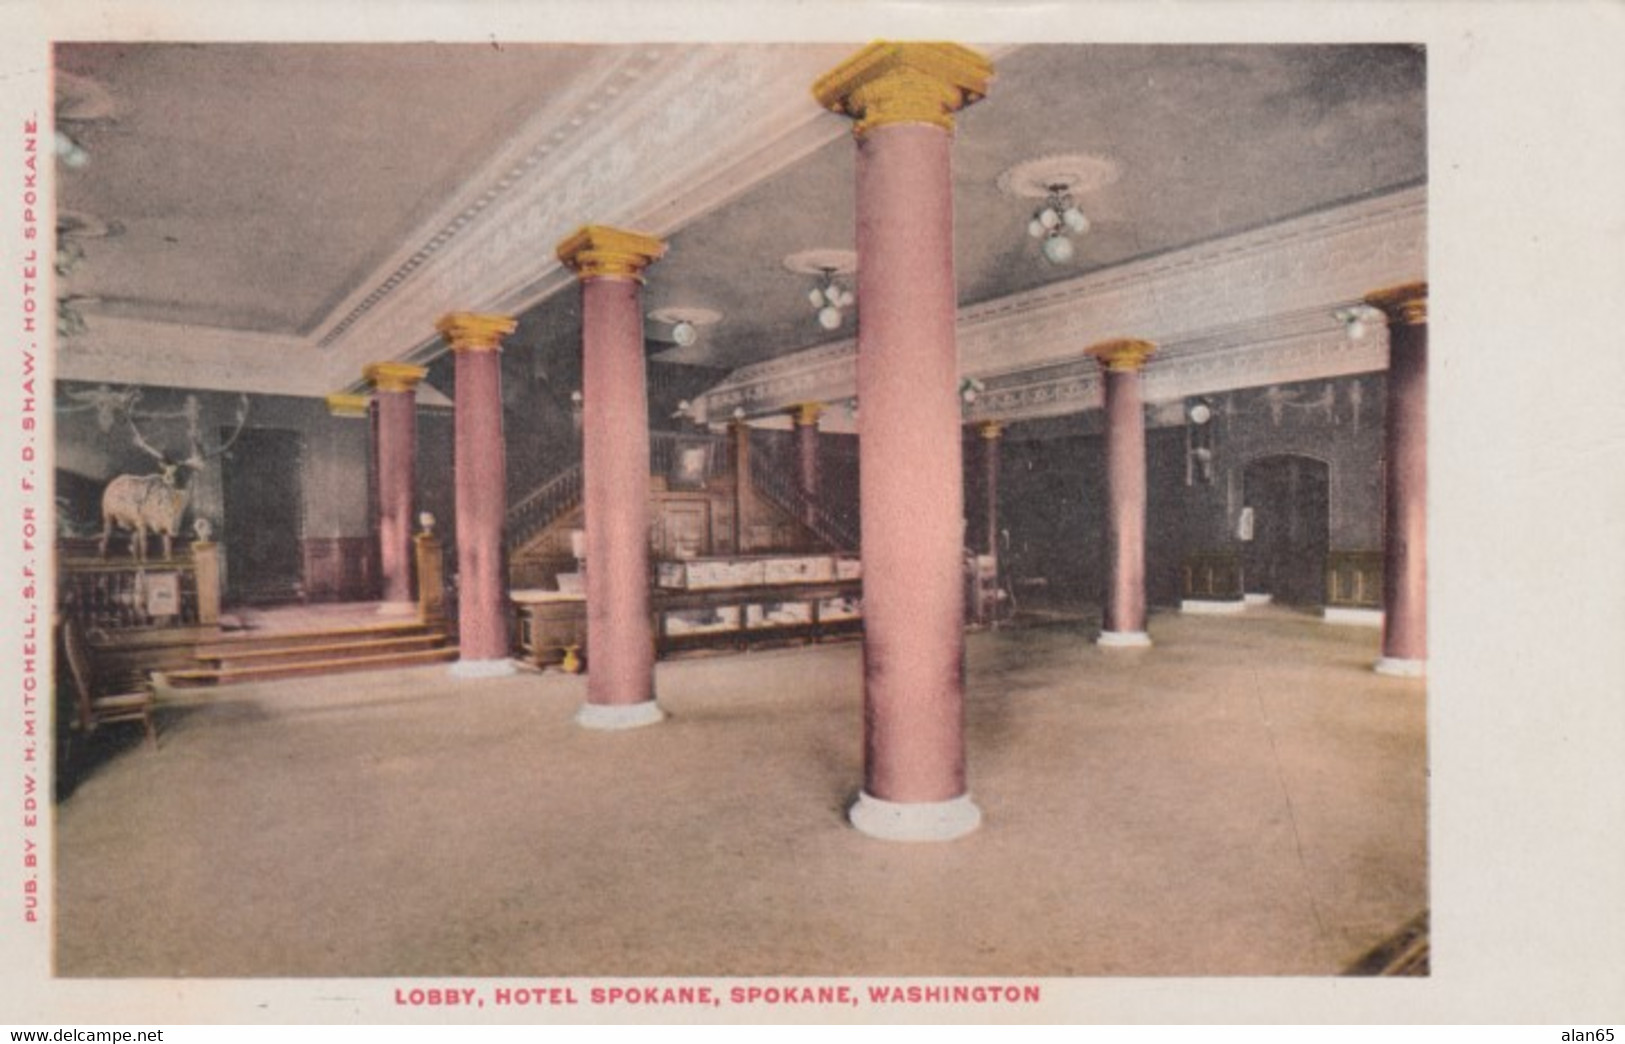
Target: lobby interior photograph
<point>866,509</point>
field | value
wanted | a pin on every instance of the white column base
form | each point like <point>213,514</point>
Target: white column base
<point>1353,617</point>
<point>1123,640</point>
<point>1212,606</point>
<point>1258,599</point>
<point>914,821</point>
<point>397,608</point>
<point>614,716</point>
<point>467,669</point>
<point>1397,668</point>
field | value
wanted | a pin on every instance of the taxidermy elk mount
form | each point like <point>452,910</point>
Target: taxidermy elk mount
<point>157,503</point>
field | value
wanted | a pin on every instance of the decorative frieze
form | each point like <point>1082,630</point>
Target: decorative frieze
<point>648,158</point>
<point>1250,310</point>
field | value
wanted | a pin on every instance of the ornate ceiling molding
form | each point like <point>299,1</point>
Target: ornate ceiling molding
<point>640,144</point>
<point>1251,309</point>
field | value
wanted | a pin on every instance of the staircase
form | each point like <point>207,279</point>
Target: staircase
<point>297,654</point>
<point>832,516</point>
<point>544,506</point>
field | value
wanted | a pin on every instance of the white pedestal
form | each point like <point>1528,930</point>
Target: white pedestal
<point>922,821</point>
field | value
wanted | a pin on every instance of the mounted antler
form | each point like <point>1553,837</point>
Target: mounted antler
<point>198,456</point>
<point>157,503</point>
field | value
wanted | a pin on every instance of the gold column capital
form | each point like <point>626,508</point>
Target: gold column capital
<point>472,332</point>
<point>805,414</point>
<point>393,376</point>
<point>889,82</point>
<point>602,252</point>
<point>1406,305</point>
<point>990,429</point>
<point>345,404</point>
<point>1124,355</point>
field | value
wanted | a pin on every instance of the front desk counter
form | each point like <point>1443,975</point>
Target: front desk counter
<point>712,604</point>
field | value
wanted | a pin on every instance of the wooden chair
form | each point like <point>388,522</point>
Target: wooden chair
<point>93,709</point>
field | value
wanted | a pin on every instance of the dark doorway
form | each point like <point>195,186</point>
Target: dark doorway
<point>1288,500</point>
<point>264,516</point>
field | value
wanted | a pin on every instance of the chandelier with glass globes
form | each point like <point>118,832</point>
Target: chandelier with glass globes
<point>830,299</point>
<point>1059,182</point>
<point>1055,223</point>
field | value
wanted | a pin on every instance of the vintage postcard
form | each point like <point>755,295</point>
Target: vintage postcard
<point>818,513</point>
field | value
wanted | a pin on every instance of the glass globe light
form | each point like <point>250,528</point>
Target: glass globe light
<point>684,333</point>
<point>815,297</point>
<point>829,317</point>
<point>1049,218</point>
<point>1035,228</point>
<point>1058,250</point>
<point>1075,220</point>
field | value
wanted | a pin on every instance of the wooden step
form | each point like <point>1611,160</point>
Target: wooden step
<point>203,676</point>
<point>227,657</point>
<point>277,640</point>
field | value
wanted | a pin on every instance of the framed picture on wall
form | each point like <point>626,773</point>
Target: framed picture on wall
<point>690,464</point>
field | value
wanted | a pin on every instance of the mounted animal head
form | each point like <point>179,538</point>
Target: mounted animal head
<point>157,503</point>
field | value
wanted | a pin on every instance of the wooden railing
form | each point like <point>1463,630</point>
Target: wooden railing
<point>111,595</point>
<point>544,506</point>
<point>671,455</point>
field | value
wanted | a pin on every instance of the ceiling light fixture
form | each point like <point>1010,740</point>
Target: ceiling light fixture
<point>1055,222</point>
<point>1058,181</point>
<point>829,298</point>
<point>684,323</point>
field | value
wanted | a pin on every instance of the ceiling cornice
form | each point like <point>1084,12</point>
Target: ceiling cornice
<point>138,351</point>
<point>1254,308</point>
<point>657,137</point>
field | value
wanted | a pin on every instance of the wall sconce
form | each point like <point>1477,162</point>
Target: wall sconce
<point>70,152</point>
<point>1199,442</point>
<point>1358,320</point>
<point>970,389</point>
<point>426,522</point>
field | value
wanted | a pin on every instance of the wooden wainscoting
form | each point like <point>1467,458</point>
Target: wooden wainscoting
<point>1213,576</point>
<point>1354,579</point>
<point>339,569</point>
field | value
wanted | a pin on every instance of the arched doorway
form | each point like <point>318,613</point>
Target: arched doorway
<point>1288,498</point>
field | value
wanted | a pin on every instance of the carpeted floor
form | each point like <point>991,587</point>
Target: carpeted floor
<point>1246,798</point>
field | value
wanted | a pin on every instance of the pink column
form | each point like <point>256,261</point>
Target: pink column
<point>482,501</point>
<point>805,419</point>
<point>615,465</point>
<point>911,486</point>
<point>1123,623</point>
<point>1404,575</point>
<point>396,458</point>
